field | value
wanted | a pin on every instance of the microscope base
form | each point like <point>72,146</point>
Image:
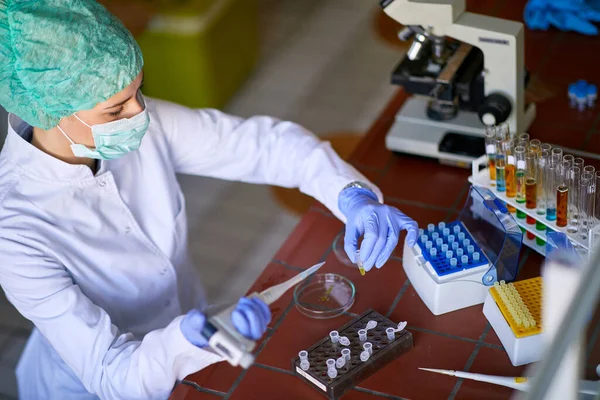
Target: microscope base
<point>455,142</point>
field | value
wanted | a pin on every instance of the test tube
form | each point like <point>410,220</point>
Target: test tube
<point>520,173</point>
<point>362,333</point>
<point>562,195</point>
<point>557,152</point>
<point>500,165</point>
<point>330,363</point>
<point>476,256</point>
<point>368,347</point>
<point>543,160</point>
<point>335,336</point>
<point>588,169</point>
<point>490,149</point>
<point>531,180</point>
<point>303,355</point>
<point>340,362</point>
<point>550,188</point>
<point>584,193</point>
<point>364,356</point>
<point>535,145</point>
<point>524,137</point>
<point>346,354</point>
<point>503,131</point>
<point>597,202</point>
<point>510,172</point>
<point>574,182</point>
<point>546,147</point>
<point>391,333</point>
<point>332,372</point>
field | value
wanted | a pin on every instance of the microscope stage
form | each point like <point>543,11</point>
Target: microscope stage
<point>456,142</point>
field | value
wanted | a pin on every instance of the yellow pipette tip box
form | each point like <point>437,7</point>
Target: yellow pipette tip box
<point>514,311</point>
<point>521,305</point>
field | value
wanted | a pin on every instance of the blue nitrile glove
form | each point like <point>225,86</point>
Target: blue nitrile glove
<point>380,225</point>
<point>566,15</point>
<point>251,318</point>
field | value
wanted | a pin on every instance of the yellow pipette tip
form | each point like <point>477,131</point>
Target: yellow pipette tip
<point>362,270</point>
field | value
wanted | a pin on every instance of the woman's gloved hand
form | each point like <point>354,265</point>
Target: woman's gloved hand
<point>380,225</point>
<point>251,318</point>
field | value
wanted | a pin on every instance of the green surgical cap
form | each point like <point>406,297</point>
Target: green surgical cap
<point>58,57</point>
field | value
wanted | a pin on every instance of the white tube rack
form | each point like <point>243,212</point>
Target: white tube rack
<point>481,177</point>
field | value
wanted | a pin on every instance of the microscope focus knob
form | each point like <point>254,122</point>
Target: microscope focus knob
<point>494,110</point>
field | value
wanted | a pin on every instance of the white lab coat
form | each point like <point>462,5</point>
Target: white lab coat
<point>99,262</point>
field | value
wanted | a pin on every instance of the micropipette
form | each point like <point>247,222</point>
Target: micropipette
<point>518,383</point>
<point>226,341</point>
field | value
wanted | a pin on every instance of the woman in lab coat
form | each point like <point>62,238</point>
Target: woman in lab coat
<point>93,237</point>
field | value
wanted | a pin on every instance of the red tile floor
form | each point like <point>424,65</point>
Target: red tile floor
<point>462,340</point>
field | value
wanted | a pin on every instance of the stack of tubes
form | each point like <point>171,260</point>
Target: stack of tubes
<point>556,185</point>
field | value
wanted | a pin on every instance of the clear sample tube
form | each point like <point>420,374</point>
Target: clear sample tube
<point>364,356</point>
<point>520,173</point>
<point>424,239</point>
<point>546,147</point>
<point>362,334</point>
<point>391,333</point>
<point>574,182</point>
<point>368,347</point>
<point>470,249</point>
<point>444,248</point>
<point>585,185</point>
<point>535,145</point>
<point>500,165</point>
<point>344,341</point>
<point>330,363</point>
<point>591,220</point>
<point>449,254</point>
<point>441,225</point>
<point>428,244</point>
<point>476,256</point>
<point>435,236</point>
<point>557,152</point>
<point>503,131</point>
<point>459,252</point>
<point>430,228</point>
<point>543,160</point>
<point>304,365</point>
<point>490,149</point>
<point>439,242</point>
<point>570,159</point>
<point>551,189</point>
<point>455,245</point>
<point>340,362</point>
<point>335,336</point>
<point>446,232</point>
<point>346,354</point>
<point>579,162</point>
<point>451,239</point>
<point>464,259</point>
<point>531,180</point>
<point>453,262</point>
<point>562,195</point>
<point>456,229</point>
<point>466,242</point>
<point>461,236</point>
<point>332,373</point>
<point>303,355</point>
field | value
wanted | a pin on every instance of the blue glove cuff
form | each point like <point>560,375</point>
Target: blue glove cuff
<point>349,197</point>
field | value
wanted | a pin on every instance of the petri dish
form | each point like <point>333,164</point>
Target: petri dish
<point>340,253</point>
<point>324,296</point>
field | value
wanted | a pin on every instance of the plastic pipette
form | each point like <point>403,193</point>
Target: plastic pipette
<point>224,339</point>
<point>273,293</point>
<point>518,383</point>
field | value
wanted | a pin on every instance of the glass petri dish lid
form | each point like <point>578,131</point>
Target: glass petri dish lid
<point>324,296</point>
<point>340,253</point>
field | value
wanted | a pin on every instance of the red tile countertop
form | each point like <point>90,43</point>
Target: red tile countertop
<point>461,340</point>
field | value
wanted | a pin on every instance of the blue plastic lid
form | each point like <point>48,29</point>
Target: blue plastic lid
<point>496,233</point>
<point>572,88</point>
<point>592,89</point>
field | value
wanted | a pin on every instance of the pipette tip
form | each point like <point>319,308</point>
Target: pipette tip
<point>439,371</point>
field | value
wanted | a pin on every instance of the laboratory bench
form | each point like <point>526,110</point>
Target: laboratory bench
<point>428,192</point>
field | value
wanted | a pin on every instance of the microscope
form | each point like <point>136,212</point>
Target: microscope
<point>465,71</point>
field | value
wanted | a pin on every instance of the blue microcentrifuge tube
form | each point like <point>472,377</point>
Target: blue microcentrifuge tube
<point>441,225</point>
<point>444,248</point>
<point>451,239</point>
<point>454,245</point>
<point>430,228</point>
<point>466,242</point>
<point>476,256</point>
<point>435,235</point>
<point>433,252</point>
<point>470,248</point>
<point>428,244</point>
<point>459,252</point>
<point>445,232</point>
<point>453,262</point>
<point>439,242</point>
<point>456,229</point>
<point>424,239</point>
<point>461,236</point>
<point>449,254</point>
<point>421,232</point>
<point>464,259</point>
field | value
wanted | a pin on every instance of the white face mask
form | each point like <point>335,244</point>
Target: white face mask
<point>114,139</point>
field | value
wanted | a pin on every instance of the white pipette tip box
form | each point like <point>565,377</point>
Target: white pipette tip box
<point>514,312</point>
